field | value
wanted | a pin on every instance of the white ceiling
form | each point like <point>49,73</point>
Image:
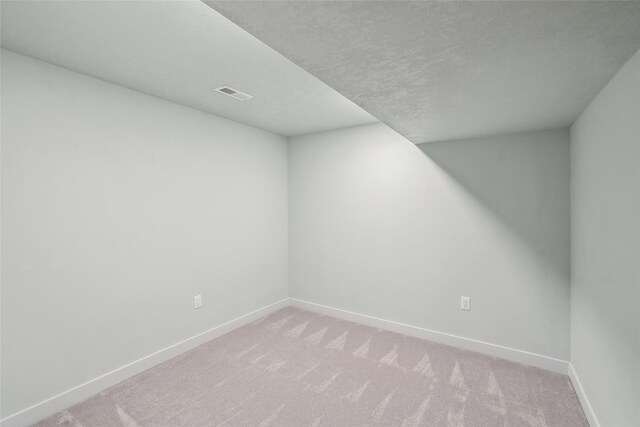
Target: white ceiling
<point>440,70</point>
<point>180,51</point>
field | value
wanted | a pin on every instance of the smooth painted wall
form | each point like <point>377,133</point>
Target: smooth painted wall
<point>118,208</point>
<point>385,228</point>
<point>605,258</point>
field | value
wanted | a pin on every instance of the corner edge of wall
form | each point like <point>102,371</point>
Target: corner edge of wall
<point>582,397</point>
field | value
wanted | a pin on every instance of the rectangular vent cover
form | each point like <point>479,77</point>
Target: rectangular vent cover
<point>236,94</point>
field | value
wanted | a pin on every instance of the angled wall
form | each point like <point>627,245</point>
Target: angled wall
<point>605,249</point>
<point>381,227</point>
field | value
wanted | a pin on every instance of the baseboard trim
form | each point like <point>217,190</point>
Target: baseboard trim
<point>582,397</point>
<point>83,391</point>
<point>520,356</point>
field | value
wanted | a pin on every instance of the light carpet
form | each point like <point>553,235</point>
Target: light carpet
<point>298,368</point>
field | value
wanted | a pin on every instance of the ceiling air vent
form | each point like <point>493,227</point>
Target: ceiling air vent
<point>229,91</point>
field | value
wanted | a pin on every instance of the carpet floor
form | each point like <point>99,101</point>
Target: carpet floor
<point>298,368</point>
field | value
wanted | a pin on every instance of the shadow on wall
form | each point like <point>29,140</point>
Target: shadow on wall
<point>523,179</point>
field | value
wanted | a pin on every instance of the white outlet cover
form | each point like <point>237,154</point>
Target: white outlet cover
<point>465,303</point>
<point>197,301</point>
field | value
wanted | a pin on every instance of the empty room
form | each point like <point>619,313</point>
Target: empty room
<point>320,213</point>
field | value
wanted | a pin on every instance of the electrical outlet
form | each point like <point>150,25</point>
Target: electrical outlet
<point>197,301</point>
<point>465,303</point>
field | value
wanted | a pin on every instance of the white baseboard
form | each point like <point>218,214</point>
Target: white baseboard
<point>81,392</point>
<point>520,356</point>
<point>582,396</point>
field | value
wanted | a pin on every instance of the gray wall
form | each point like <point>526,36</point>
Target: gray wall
<point>117,208</point>
<point>605,258</point>
<point>382,227</point>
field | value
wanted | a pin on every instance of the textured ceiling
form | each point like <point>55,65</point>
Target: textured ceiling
<point>178,51</point>
<point>446,70</point>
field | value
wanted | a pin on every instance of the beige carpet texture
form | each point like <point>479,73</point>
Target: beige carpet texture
<point>303,369</point>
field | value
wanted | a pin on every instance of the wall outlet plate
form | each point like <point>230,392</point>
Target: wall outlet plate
<point>465,303</point>
<point>197,301</point>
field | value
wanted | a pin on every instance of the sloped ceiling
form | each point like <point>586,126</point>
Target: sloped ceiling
<point>445,70</point>
<point>180,51</point>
